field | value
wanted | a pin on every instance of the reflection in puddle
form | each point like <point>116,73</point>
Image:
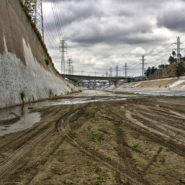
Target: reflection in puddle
<point>27,118</point>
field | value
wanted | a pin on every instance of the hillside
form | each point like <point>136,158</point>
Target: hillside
<point>166,84</point>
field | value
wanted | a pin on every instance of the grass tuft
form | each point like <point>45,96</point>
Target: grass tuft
<point>61,153</point>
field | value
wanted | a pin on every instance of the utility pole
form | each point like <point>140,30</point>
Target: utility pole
<point>125,68</point>
<point>110,72</point>
<point>117,69</point>
<point>143,65</point>
<point>63,49</point>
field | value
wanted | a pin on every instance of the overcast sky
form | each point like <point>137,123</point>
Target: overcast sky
<point>101,34</point>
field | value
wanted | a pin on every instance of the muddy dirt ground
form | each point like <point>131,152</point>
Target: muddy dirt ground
<point>137,141</point>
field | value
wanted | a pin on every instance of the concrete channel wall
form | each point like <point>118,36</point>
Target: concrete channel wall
<point>26,70</point>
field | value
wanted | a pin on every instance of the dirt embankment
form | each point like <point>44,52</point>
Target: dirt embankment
<point>166,84</point>
<point>137,141</point>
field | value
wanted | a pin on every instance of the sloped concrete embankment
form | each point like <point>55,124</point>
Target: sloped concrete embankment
<point>27,72</point>
<point>167,84</point>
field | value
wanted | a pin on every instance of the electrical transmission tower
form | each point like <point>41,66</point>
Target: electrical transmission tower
<point>63,50</point>
<point>178,43</point>
<point>70,67</point>
<point>37,16</point>
<point>143,65</point>
<point>110,72</point>
<point>125,68</point>
<point>117,69</point>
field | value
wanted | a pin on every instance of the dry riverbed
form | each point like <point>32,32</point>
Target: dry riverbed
<point>140,140</point>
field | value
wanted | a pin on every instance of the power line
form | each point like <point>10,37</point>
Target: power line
<point>63,49</point>
<point>55,20</point>
<point>59,18</point>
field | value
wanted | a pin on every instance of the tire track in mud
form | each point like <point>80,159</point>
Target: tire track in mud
<point>19,158</point>
<point>13,162</point>
<point>65,129</point>
<point>123,147</point>
<point>154,131</point>
<point>60,129</point>
<point>60,139</point>
<point>161,120</point>
<point>154,158</point>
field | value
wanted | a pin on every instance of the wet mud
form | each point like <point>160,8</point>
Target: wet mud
<point>135,141</point>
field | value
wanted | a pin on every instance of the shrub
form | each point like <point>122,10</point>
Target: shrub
<point>180,69</point>
<point>22,95</point>
<point>47,62</point>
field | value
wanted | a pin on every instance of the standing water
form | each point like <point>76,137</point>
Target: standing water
<point>21,117</point>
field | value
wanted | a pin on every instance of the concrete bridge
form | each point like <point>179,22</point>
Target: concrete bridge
<point>94,80</point>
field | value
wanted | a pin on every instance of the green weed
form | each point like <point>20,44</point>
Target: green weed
<point>96,148</point>
<point>61,153</point>
<point>172,137</point>
<point>88,165</point>
<point>96,137</point>
<point>102,124</point>
<point>132,127</point>
<point>74,132</point>
<point>113,179</point>
<point>163,159</point>
<point>110,148</point>
<point>109,158</point>
<point>96,118</point>
<point>90,127</point>
<point>135,145</point>
<point>64,182</point>
<point>100,178</point>
<point>107,118</point>
<point>145,141</point>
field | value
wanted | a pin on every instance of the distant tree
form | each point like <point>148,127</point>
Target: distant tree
<point>150,71</point>
<point>180,69</point>
<point>171,60</point>
<point>173,53</point>
<point>162,66</point>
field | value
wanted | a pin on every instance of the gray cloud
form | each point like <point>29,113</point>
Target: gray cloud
<point>102,33</point>
<point>173,18</point>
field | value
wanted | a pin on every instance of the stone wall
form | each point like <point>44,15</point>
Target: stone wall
<point>24,72</point>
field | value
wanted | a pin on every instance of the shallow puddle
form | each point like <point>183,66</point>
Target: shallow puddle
<point>28,118</point>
